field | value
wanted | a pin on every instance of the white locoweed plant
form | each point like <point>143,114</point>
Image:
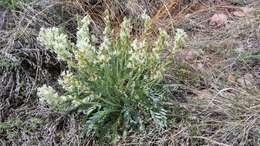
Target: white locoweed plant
<point>115,85</point>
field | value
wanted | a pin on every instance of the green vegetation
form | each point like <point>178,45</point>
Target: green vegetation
<point>7,64</point>
<point>15,126</point>
<point>12,4</point>
<point>117,85</point>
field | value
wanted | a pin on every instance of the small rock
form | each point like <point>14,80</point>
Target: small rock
<point>218,19</point>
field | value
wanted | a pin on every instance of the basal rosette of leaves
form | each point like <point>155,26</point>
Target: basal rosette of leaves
<point>115,85</point>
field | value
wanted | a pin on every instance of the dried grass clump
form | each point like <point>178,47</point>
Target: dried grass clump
<point>23,65</point>
<point>229,117</point>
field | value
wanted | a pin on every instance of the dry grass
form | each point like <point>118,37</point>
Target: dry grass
<point>216,110</point>
<point>229,117</point>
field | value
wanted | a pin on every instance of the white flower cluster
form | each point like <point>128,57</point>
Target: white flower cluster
<point>147,22</point>
<point>180,38</point>
<point>71,84</point>
<point>53,38</point>
<point>49,95</point>
<point>68,82</point>
<point>125,29</point>
<point>160,45</point>
<point>103,53</point>
<point>84,39</point>
<point>137,54</point>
